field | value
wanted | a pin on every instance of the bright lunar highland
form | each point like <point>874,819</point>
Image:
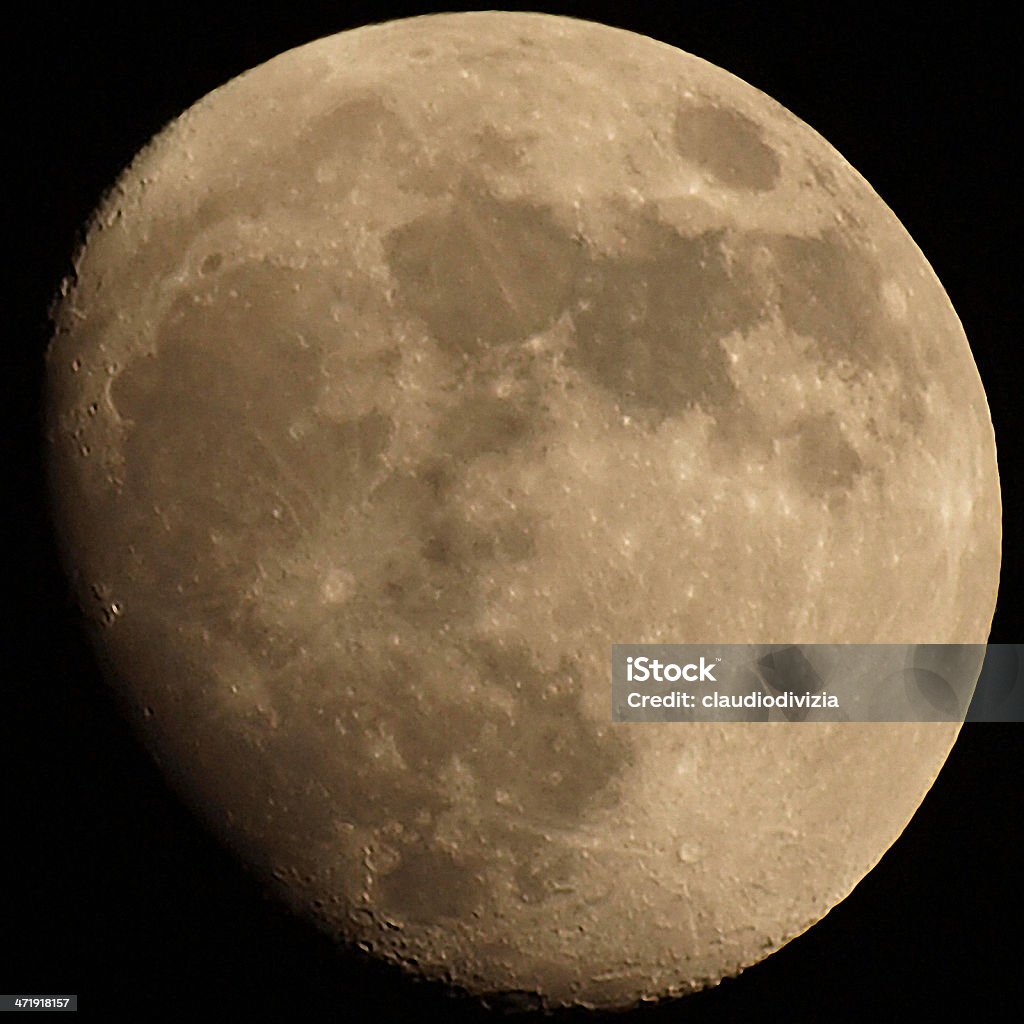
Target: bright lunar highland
<point>401,377</point>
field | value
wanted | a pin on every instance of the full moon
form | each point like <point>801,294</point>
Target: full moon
<point>402,376</point>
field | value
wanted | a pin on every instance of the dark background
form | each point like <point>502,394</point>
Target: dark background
<point>110,889</point>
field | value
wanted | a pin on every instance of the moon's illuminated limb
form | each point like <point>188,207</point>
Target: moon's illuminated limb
<point>405,374</point>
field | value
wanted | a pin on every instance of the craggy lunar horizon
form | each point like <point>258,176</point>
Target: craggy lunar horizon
<point>403,375</point>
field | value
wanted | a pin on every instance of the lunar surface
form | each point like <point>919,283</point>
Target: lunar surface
<point>401,377</point>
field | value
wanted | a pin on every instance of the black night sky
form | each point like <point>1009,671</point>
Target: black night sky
<point>112,890</point>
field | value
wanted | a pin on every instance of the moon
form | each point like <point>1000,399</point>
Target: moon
<point>404,374</point>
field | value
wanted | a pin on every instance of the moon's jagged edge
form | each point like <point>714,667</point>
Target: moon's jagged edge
<point>359,552</point>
